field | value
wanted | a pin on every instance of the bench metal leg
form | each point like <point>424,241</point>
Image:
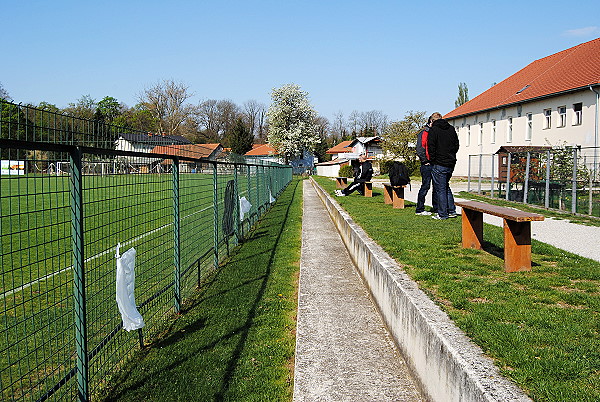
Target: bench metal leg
<point>472,229</point>
<point>398,197</point>
<point>517,246</point>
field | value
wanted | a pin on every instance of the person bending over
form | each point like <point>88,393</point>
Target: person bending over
<point>363,174</point>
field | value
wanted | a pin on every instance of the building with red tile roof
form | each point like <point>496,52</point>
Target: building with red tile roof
<point>552,101</point>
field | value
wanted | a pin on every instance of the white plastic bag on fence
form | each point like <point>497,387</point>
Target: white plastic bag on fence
<point>132,319</point>
<point>271,199</point>
<point>245,207</point>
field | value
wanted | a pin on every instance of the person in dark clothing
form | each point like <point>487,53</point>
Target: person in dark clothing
<point>426,168</point>
<point>442,143</point>
<point>362,174</point>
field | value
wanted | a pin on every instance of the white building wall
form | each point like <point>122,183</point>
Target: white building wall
<point>471,143</point>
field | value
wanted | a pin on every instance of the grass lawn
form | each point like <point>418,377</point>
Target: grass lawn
<point>542,327</point>
<point>235,338</point>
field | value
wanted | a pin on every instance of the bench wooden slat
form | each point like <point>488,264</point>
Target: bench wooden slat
<point>503,212</point>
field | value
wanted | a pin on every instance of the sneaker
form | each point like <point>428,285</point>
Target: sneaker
<point>423,213</point>
<point>438,218</point>
<point>339,193</point>
<point>452,215</point>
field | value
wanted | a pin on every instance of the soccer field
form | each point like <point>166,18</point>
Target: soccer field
<point>170,224</point>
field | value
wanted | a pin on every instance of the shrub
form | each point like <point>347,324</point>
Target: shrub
<point>346,171</point>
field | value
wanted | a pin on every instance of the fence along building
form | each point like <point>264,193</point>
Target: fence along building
<point>552,101</point>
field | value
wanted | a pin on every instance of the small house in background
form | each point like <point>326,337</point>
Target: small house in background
<point>146,142</point>
<point>196,151</point>
<point>143,143</point>
<point>339,159</point>
<point>371,146</point>
<point>340,150</point>
<point>518,156</point>
<point>263,152</point>
<point>302,164</point>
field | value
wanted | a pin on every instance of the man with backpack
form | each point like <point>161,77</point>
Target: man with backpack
<point>442,143</point>
<point>363,174</point>
<point>426,169</point>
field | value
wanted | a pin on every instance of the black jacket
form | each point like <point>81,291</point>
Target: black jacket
<point>442,142</point>
<point>364,171</point>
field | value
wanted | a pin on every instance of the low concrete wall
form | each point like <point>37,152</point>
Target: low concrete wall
<point>446,363</point>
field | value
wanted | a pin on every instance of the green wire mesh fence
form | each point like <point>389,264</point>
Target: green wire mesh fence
<point>68,197</point>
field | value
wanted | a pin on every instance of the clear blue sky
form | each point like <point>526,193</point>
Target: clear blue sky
<point>391,56</point>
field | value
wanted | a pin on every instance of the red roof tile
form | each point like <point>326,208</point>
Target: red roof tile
<point>575,68</point>
<point>189,150</point>
<point>340,148</point>
<point>261,150</point>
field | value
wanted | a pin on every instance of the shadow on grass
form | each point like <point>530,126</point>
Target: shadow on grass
<point>137,382</point>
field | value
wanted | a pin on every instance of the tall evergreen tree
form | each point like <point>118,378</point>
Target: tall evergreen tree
<point>241,138</point>
<point>463,94</point>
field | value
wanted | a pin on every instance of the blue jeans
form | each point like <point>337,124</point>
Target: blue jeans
<point>425,184</point>
<point>441,190</point>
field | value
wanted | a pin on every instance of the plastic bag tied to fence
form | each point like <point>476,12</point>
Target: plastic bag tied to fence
<point>245,207</point>
<point>132,319</point>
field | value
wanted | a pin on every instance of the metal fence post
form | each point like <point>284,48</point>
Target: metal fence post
<point>493,177</point>
<point>547,195</point>
<point>469,175</point>
<point>215,217</point>
<point>75,157</point>
<point>508,163</point>
<point>526,184</point>
<point>236,198</point>
<point>480,168</point>
<point>574,183</point>
<point>176,238</point>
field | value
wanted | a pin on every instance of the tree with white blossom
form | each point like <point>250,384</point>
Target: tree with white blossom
<point>292,122</point>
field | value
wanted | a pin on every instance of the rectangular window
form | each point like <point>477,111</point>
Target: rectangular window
<point>577,110</point>
<point>562,116</point>
<point>529,132</point>
<point>547,118</point>
<point>493,132</point>
<point>480,138</point>
<point>468,134</point>
<point>509,130</point>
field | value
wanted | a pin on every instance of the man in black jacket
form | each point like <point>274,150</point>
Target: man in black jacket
<point>363,174</point>
<point>442,142</point>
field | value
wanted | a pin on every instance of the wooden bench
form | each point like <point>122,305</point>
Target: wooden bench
<point>393,195</point>
<point>368,189</point>
<point>517,231</point>
<point>341,182</point>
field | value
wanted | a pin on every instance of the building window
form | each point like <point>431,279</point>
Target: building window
<point>547,118</point>
<point>562,116</point>
<point>578,110</point>
<point>509,130</point>
<point>493,132</point>
<point>529,132</point>
<point>468,134</point>
<point>480,138</point>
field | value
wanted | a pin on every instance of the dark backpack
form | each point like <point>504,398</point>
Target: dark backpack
<point>399,174</point>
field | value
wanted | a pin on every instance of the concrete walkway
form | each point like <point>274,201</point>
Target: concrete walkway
<point>343,350</point>
<point>572,237</point>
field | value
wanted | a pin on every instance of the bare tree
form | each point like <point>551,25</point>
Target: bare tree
<point>166,102</point>
<point>373,122</point>
<point>4,94</point>
<point>252,115</point>
<point>338,128</point>
<point>216,119</point>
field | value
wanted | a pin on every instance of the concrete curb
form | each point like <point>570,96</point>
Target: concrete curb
<point>447,364</point>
